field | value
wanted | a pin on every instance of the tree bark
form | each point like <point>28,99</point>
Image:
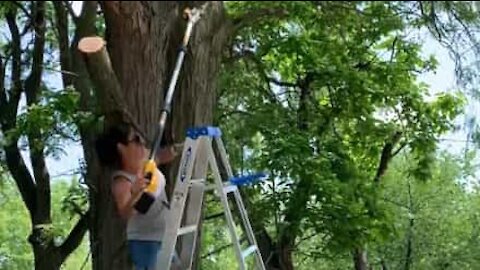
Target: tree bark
<point>285,249</point>
<point>286,241</point>
<point>142,42</point>
<point>267,248</point>
<point>108,94</point>
<point>360,259</point>
<point>383,265</point>
<point>411,223</point>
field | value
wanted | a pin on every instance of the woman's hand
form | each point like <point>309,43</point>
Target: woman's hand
<point>139,185</point>
<point>166,155</point>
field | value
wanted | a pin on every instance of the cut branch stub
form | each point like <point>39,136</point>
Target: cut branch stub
<point>90,45</point>
<point>108,89</point>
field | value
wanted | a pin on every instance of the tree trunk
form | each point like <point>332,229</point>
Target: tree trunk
<point>143,39</point>
<point>267,248</point>
<point>46,257</point>
<point>360,259</point>
<point>411,223</point>
<point>383,265</point>
<point>286,241</point>
<point>279,255</point>
<point>285,249</point>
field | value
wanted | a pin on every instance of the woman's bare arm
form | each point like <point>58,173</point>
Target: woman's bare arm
<point>126,195</point>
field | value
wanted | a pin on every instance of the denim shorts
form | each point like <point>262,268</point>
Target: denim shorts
<point>144,253</point>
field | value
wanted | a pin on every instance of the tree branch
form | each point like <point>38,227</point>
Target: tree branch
<point>232,112</point>
<point>411,223</point>
<point>240,55</point>
<point>261,70</point>
<point>466,29</point>
<point>386,156</point>
<point>3,94</point>
<point>219,249</point>
<point>85,26</point>
<point>30,15</point>
<point>67,5</point>
<point>14,93</point>
<point>396,203</point>
<point>250,55</point>
<point>75,237</point>
<point>61,25</point>
<point>308,237</point>
<point>392,55</point>
<point>15,162</point>
<point>32,83</point>
<point>103,77</point>
<point>64,135</point>
<point>399,149</point>
<point>431,19</point>
<point>85,22</point>
<point>214,216</point>
<point>257,15</point>
<point>24,10</point>
<point>281,83</point>
<point>32,90</point>
<point>20,173</point>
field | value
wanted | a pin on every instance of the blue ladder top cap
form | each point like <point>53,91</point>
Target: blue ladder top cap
<point>210,131</point>
<point>247,179</point>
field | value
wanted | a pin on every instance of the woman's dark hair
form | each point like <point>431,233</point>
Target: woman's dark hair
<point>106,144</point>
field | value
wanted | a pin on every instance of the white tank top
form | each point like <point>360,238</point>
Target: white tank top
<point>151,225</point>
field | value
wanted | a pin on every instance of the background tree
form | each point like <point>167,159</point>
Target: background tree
<point>15,253</point>
<point>337,99</point>
<point>435,218</point>
<point>27,51</point>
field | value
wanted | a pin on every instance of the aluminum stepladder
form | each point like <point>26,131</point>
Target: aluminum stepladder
<point>182,221</point>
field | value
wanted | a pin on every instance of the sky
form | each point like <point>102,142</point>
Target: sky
<point>443,80</point>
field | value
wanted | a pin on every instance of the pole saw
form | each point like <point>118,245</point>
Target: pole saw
<point>147,198</point>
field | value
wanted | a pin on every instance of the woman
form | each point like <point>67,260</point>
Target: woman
<point>122,150</point>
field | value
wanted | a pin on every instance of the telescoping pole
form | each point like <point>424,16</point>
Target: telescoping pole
<point>147,198</point>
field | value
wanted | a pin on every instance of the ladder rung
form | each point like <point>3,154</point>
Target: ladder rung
<point>249,251</point>
<point>210,188</point>
<point>197,181</point>
<point>187,229</point>
<point>229,188</point>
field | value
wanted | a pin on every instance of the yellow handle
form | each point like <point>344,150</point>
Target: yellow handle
<point>150,173</point>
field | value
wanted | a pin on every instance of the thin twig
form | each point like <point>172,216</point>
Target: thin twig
<point>70,11</point>
<point>24,10</point>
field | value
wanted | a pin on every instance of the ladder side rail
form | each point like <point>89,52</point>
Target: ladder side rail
<point>195,204</point>
<point>249,229</point>
<point>224,156</point>
<point>240,204</point>
<point>224,201</point>
<point>177,205</point>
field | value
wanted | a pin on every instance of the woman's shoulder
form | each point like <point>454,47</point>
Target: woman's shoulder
<point>122,175</point>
